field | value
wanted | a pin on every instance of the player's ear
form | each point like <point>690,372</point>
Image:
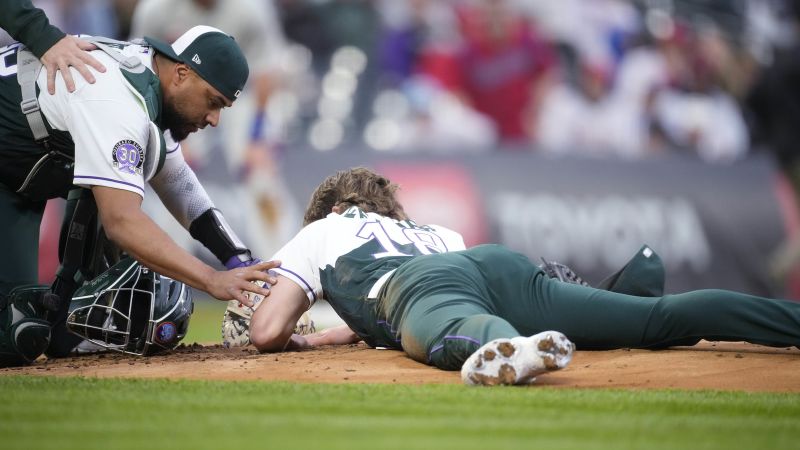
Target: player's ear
<point>182,73</point>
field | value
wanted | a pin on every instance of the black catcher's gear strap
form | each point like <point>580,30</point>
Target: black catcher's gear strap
<point>78,233</point>
<point>213,231</point>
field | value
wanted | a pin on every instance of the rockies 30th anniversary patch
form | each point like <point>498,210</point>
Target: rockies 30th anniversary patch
<point>128,156</point>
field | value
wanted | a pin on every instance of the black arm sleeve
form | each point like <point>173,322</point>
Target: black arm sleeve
<point>211,229</point>
<point>29,25</point>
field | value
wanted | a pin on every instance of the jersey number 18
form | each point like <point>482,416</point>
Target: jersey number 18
<point>426,242</point>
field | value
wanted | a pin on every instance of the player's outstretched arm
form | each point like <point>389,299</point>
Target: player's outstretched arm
<point>130,228</point>
<point>340,335</point>
<point>272,324</point>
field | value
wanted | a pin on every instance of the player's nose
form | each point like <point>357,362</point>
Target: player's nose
<point>212,118</point>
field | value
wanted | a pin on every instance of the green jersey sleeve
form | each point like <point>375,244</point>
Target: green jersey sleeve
<point>29,25</point>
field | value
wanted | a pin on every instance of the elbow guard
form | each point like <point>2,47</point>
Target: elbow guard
<point>213,231</point>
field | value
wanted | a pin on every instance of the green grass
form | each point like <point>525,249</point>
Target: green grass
<point>206,322</point>
<point>65,413</point>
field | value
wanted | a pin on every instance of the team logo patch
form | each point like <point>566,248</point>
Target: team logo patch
<point>165,333</point>
<point>128,156</point>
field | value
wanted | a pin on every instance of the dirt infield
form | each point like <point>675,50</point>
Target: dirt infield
<point>725,366</point>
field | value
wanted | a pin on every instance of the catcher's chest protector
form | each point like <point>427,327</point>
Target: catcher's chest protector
<point>145,85</point>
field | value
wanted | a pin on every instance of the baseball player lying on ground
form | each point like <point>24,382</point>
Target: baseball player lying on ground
<point>485,310</point>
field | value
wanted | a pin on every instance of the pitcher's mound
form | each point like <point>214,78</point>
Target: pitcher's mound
<point>708,365</point>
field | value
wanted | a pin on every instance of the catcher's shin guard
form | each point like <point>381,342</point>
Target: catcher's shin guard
<point>79,235</point>
<point>62,342</point>
<point>24,333</point>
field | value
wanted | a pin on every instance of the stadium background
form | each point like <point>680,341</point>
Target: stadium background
<point>573,132</point>
<point>572,129</point>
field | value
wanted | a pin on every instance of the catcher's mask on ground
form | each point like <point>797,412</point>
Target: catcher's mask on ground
<point>131,309</point>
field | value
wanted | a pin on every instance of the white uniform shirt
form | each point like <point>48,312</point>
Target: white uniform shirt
<point>108,123</point>
<point>321,243</point>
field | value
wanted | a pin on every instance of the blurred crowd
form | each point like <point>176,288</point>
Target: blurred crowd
<point>710,79</point>
<point>617,78</point>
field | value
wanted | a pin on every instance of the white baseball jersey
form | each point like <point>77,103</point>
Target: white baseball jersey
<point>354,253</point>
<point>108,123</point>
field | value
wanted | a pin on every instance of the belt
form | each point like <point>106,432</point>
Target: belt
<point>376,288</point>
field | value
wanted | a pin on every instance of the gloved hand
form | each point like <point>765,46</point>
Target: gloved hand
<point>561,272</point>
<point>241,260</point>
<point>236,323</point>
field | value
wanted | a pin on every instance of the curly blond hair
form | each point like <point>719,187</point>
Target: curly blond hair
<point>358,186</point>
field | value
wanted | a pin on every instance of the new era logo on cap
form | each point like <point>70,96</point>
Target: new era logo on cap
<point>196,59</point>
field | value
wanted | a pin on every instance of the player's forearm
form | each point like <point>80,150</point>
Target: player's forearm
<point>29,25</point>
<point>265,84</point>
<point>179,189</point>
<point>272,324</point>
<point>138,235</point>
<point>333,336</point>
<point>263,89</point>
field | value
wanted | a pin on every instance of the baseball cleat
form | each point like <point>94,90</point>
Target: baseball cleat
<point>517,360</point>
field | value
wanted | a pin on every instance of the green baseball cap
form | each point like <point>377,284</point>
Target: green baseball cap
<point>213,54</point>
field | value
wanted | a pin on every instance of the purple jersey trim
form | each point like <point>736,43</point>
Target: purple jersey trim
<point>308,286</point>
<point>441,346</point>
<point>109,179</point>
<point>391,330</point>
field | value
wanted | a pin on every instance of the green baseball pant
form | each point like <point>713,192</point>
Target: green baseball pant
<point>445,306</point>
<point>19,245</point>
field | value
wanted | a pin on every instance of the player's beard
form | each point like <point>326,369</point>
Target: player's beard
<point>178,123</point>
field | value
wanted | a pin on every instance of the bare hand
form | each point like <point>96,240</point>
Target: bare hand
<point>232,284</point>
<point>297,342</point>
<point>69,51</point>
